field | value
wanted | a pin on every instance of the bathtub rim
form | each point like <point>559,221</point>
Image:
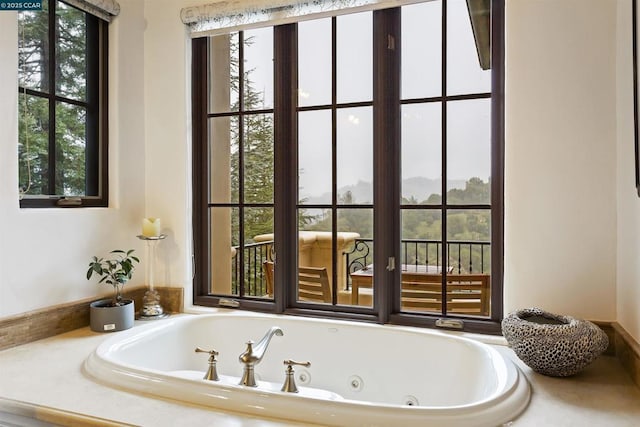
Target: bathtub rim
<point>512,398</point>
<point>115,342</point>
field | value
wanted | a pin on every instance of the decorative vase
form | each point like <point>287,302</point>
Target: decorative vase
<point>103,317</point>
<point>553,344</point>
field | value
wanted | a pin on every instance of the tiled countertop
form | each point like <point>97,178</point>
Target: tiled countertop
<point>49,373</point>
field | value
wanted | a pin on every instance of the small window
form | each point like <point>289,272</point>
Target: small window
<point>62,145</point>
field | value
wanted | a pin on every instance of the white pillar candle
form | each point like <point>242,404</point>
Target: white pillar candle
<point>151,227</point>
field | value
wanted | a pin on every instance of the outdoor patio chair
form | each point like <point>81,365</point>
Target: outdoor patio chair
<point>313,283</point>
<point>466,293</point>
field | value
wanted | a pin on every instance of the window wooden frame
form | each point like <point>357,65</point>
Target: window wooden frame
<point>96,105</point>
<point>386,103</point>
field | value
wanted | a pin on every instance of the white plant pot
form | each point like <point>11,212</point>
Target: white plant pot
<point>105,318</point>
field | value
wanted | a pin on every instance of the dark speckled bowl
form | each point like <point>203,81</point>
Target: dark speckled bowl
<point>551,344</point>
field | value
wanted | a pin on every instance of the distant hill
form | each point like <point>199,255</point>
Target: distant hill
<point>419,187</point>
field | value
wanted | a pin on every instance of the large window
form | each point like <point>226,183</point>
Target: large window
<point>62,107</point>
<point>361,174</point>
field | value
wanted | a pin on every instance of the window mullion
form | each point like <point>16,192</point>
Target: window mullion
<point>334,158</point>
<point>286,163</point>
<point>51,173</point>
<point>386,159</point>
<point>241,207</point>
<point>202,258</point>
<point>443,236</point>
<point>497,157</point>
<point>92,147</point>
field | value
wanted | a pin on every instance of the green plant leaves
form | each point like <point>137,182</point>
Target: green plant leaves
<point>115,271</point>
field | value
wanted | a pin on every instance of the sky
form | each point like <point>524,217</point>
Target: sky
<point>468,122</point>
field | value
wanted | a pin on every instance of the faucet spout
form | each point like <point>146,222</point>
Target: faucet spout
<point>254,354</point>
<point>260,348</point>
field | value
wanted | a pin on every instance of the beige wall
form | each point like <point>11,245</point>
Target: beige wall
<point>167,115</point>
<point>628,206</point>
<point>168,169</point>
<point>560,182</point>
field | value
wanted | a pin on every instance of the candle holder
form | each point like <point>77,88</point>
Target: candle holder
<point>151,308</point>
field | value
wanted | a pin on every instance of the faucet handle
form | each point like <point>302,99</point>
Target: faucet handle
<point>291,363</point>
<point>212,373</point>
<point>289,385</point>
<point>212,353</point>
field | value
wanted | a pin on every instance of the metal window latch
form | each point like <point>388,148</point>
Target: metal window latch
<point>391,264</point>
<point>450,323</point>
<point>69,201</point>
<point>226,302</point>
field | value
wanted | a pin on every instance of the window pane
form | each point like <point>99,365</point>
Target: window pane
<point>469,151</point>
<point>224,73</point>
<point>355,155</point>
<point>71,139</point>
<point>422,50</point>
<point>258,69</point>
<point>314,62</point>
<point>421,238</point>
<point>225,251</point>
<point>315,247</point>
<point>360,256</point>
<point>355,267</point>
<point>421,153</point>
<point>464,74</point>
<point>355,57</point>
<point>468,238</point>
<point>229,257</point>
<point>314,219</point>
<point>258,246</point>
<point>314,157</point>
<point>34,49</point>
<point>469,255</point>
<point>33,145</point>
<point>421,256</point>
<point>258,158</point>
<point>71,52</point>
<point>356,221</point>
<point>224,170</point>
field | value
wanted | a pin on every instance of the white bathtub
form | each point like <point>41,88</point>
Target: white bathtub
<point>360,374</point>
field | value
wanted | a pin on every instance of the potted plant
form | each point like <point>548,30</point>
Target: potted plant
<point>114,314</point>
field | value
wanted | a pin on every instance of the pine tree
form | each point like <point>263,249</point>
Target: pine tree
<point>257,150</point>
